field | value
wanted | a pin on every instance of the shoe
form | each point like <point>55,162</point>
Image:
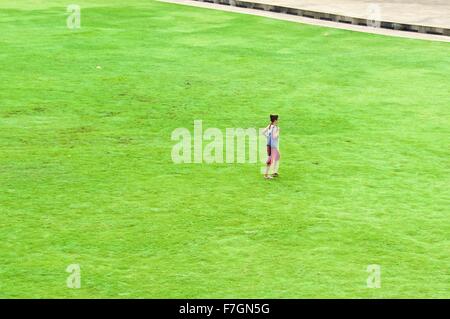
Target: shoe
<point>275,175</point>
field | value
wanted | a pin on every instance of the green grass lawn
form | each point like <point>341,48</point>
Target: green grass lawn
<point>86,174</point>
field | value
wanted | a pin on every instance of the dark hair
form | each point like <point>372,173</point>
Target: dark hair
<point>273,118</point>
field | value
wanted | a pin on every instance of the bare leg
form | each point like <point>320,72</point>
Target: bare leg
<point>266,174</point>
<point>275,167</point>
<point>276,163</point>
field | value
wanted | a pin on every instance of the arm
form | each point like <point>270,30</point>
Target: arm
<point>266,129</point>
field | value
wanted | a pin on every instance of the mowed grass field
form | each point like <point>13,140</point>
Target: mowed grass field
<point>86,175</point>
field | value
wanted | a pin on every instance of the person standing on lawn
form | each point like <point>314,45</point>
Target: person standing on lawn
<point>272,131</point>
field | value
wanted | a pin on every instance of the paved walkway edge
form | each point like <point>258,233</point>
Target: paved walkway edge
<point>276,13</point>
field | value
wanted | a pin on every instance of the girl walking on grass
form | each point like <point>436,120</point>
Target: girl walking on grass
<point>272,131</point>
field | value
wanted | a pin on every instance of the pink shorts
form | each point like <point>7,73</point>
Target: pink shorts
<point>273,154</point>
